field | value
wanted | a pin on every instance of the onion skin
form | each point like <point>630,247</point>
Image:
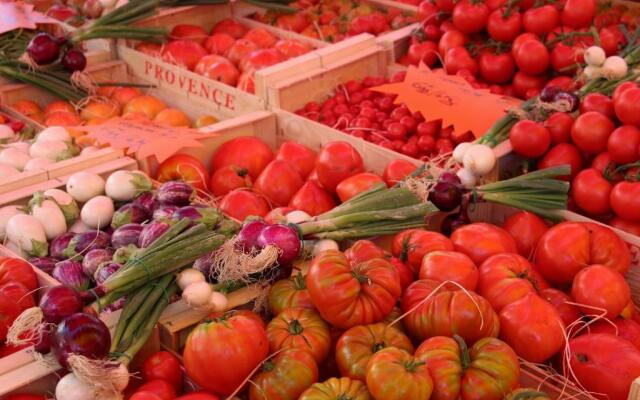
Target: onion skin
<point>247,239</point>
<point>43,49</point>
<point>151,232</point>
<point>175,193</point>
<point>58,302</point>
<point>126,235</point>
<point>283,237</point>
<point>84,242</point>
<point>80,334</point>
<point>58,245</point>
<point>446,196</point>
<point>70,273</point>
<point>94,258</point>
<point>45,264</point>
<point>129,214</point>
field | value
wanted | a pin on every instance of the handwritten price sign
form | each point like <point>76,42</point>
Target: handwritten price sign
<point>450,98</point>
<point>20,16</point>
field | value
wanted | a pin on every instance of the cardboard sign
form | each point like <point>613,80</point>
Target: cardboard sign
<point>20,16</point>
<point>450,98</point>
<point>144,138</point>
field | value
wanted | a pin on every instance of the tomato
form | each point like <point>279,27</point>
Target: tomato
<point>363,250</point>
<point>562,154</point>
<point>404,272</point>
<point>600,288</point>
<point>504,29</point>
<point>356,346</point>
<point>357,184</point>
<point>627,226</point>
<point>604,364</point>
<point>568,247</point>
<point>188,32</point>
<point>563,83</point>
<point>470,17</point>
<point>285,377</point>
<point>529,138</point>
<point>541,20</point>
<point>597,102</point>
<point>449,311</point>
<point>237,340</point>
<point>185,168</point>
<point>165,366</point>
<point>9,311</point>
<point>348,294</point>
<point>450,39</point>
<point>20,396</point>
<point>563,59</point>
<point>612,40</point>
<point>279,182</point>
<point>17,270</point>
<point>486,371</point>
<point>521,39</point>
<point>527,393</point>
<point>200,395</point>
<point>230,27</point>
<point>625,328</point>
<point>591,131</point>
<point>452,266</point>
<point>145,396</point>
<point>412,245</point>
<point>299,328</point>
<point>458,59</point>
<point>312,199</point>
<point>336,162</point>
<point>480,241</point>
<point>620,89</point>
<point>395,374</point>
<point>337,388</point>
<point>301,158</point>
<point>559,125</point>
<point>496,68</point>
<point>18,292</point>
<point>560,301</point>
<point>625,200</point>
<point>524,83</point>
<point>240,204</point>
<point>227,179</point>
<point>287,293</point>
<point>425,52</point>
<point>578,13</point>
<point>219,43</point>
<point>591,192</point>
<point>624,144</point>
<point>396,170</point>
<point>246,152</point>
<point>526,228</point>
<point>163,389</point>
<point>532,57</point>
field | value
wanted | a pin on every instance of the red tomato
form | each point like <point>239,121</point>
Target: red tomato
<point>612,40</point>
<point>563,59</point>
<point>526,229</point>
<point>312,199</point>
<point>425,52</point>
<point>394,374</point>
<point>9,311</point>
<point>163,389</point>
<point>563,83</point>
<point>452,266</point>
<point>185,168</point>
<point>145,396</point>
<point>412,245</point>
<point>624,328</point>
<point>625,200</point>
<point>285,376</point>
<point>597,102</point>
<point>227,179</point>
<point>591,192</point>
<point>626,106</point>
<point>240,50</point>
<point>262,37</point>
<point>480,241</point>
<point>532,57</point>
<point>246,152</point>
<point>301,158</point>
<point>620,89</point>
<point>627,226</point>
<point>20,396</point>
<point>529,138</point>
<point>559,125</point>
<point>201,395</point>
<point>18,292</point>
<point>17,270</point>
<point>300,328</point>
<point>560,300</point>
<point>363,250</point>
<point>533,328</point>
<point>496,68</point>
<point>219,43</point>
<point>164,366</point>
<point>603,164</point>
<point>541,20</point>
<point>523,83</point>
<point>185,53</point>
<point>470,17</point>
<point>521,39</point>
<point>396,171</point>
<point>603,363</point>
<point>624,144</point>
<point>237,340</point>
<point>450,39</point>
<point>261,58</point>
<point>292,48</point>
<point>600,289</point>
<point>241,203</point>
<point>591,131</point>
<point>278,182</point>
<point>457,59</point>
<point>288,293</point>
<point>578,13</point>
<point>357,184</point>
<point>504,29</point>
<point>224,72</point>
<point>404,272</point>
<point>336,162</point>
<point>231,27</point>
<point>194,33</point>
<point>568,247</point>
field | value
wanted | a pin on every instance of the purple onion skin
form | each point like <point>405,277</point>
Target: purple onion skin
<point>94,258</point>
<point>151,232</point>
<point>199,215</point>
<point>59,244</point>
<point>44,345</point>
<point>204,264</point>
<point>71,273</point>
<point>449,177</point>
<point>146,201</point>
<point>105,271</point>
<point>74,60</point>
<point>453,222</point>
<point>284,238</point>
<point>84,242</point>
<point>45,264</point>
<point>175,193</point>
<point>570,98</point>
<point>247,239</point>
<point>126,235</point>
<point>129,214</point>
<point>446,196</point>
<point>164,211</point>
<point>548,93</point>
<point>43,49</point>
<point>58,302</point>
<point>81,334</point>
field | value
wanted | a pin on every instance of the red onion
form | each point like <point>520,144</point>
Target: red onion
<point>81,334</point>
<point>74,60</point>
<point>247,239</point>
<point>43,49</point>
<point>446,196</point>
<point>58,302</point>
<point>284,238</point>
<point>204,264</point>
<point>449,176</point>
<point>453,222</point>
<point>129,214</point>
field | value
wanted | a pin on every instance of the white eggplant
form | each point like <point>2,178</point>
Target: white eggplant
<point>66,203</point>
<point>37,163</point>
<point>46,210</point>
<point>97,212</point>
<point>83,186</point>
<point>28,233</point>
<point>55,150</point>
<point>126,185</point>
<point>54,133</point>
<point>79,227</point>
<point>22,146</point>
<point>6,134</point>
<point>5,214</point>
<point>15,158</point>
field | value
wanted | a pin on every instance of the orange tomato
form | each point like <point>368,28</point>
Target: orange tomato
<point>145,104</point>
<point>173,117</point>
<point>452,266</point>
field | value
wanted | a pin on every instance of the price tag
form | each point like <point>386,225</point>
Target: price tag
<point>20,16</point>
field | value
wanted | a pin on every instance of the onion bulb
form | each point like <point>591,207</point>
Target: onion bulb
<point>72,388</point>
<point>189,276</point>
<point>479,159</point>
<point>467,178</point>
<point>592,73</point>
<point>218,302</point>
<point>615,67</point>
<point>297,216</point>
<point>324,245</point>
<point>594,56</point>
<point>197,294</point>
<point>460,150</point>
<point>120,377</point>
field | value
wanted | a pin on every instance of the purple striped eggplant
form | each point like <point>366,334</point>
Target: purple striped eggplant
<point>199,215</point>
<point>147,201</point>
<point>45,264</point>
<point>105,271</point>
<point>129,214</point>
<point>151,232</point>
<point>58,245</point>
<point>84,242</point>
<point>126,235</point>
<point>94,258</point>
<point>164,211</point>
<point>70,273</point>
<point>175,193</point>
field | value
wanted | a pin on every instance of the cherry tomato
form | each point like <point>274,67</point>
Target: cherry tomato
<point>599,287</point>
<point>457,59</point>
<point>541,20</point>
<point>524,83</point>
<point>426,52</point>
<point>163,365</point>
<point>526,229</point>
<point>529,138</point>
<point>578,13</point>
<point>532,57</point>
<point>624,144</point>
<point>591,192</point>
<point>504,29</point>
<point>559,125</point>
<point>470,17</point>
<point>563,59</point>
<point>626,106</point>
<point>591,131</point>
<point>450,39</point>
<point>563,154</point>
<point>160,388</point>
<point>496,68</point>
<point>597,102</point>
<point>625,200</point>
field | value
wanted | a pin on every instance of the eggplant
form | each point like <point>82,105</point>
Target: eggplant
<point>70,273</point>
<point>126,235</point>
<point>146,200</point>
<point>129,214</point>
<point>45,264</point>
<point>199,215</point>
<point>59,244</point>
<point>94,258</point>
<point>151,232</point>
<point>164,211</point>
<point>175,193</point>
<point>84,242</point>
<point>123,254</point>
<point>105,271</point>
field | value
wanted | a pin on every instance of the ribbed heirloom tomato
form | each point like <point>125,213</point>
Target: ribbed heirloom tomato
<point>480,241</point>
<point>300,328</point>
<point>561,302</point>
<point>412,245</point>
<point>486,371</point>
<point>285,377</point>
<point>526,393</point>
<point>289,293</point>
<point>526,228</point>
<point>337,388</point>
<point>452,266</point>
<point>356,346</point>
<point>394,374</point>
<point>17,270</point>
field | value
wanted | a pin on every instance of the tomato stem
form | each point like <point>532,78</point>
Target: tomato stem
<point>412,366</point>
<point>465,358</point>
<point>295,327</point>
<point>298,281</point>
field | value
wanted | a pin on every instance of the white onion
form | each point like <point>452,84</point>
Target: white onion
<point>297,216</point>
<point>6,133</point>
<point>592,73</point>
<point>37,163</point>
<point>197,294</point>
<point>479,159</point>
<point>72,388</point>
<point>189,276</point>
<point>324,245</point>
<point>218,302</point>
<point>594,56</point>
<point>120,377</point>
<point>467,178</point>
<point>460,150</point>
<point>54,133</point>
<point>615,67</point>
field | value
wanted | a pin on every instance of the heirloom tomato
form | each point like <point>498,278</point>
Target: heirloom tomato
<point>591,191</point>
<point>336,162</point>
<point>285,377</point>
<point>246,152</point>
<point>480,241</point>
<point>447,311</point>
<point>337,388</point>
<point>598,288</point>
<point>312,199</point>
<point>528,394</point>
<point>241,203</point>
<point>301,158</point>
<point>363,250</point>
<point>404,272</point>
<point>199,395</point>
<point>356,346</point>
<point>533,328</point>
<point>394,374</point>
<point>624,328</point>
<point>289,293</point>
<point>452,266</point>
<point>161,388</point>
<point>561,301</point>
<point>625,200</point>
<point>526,229</point>
<point>19,293</point>
<point>185,168</point>
<point>9,311</point>
<point>486,371</point>
<point>412,245</point>
<point>223,350</point>
<point>348,294</point>
<point>300,328</point>
<point>17,270</point>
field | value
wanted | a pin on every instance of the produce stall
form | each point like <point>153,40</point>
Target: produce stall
<point>319,199</point>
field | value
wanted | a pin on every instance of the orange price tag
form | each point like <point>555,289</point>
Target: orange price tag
<point>20,16</point>
<point>449,98</point>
